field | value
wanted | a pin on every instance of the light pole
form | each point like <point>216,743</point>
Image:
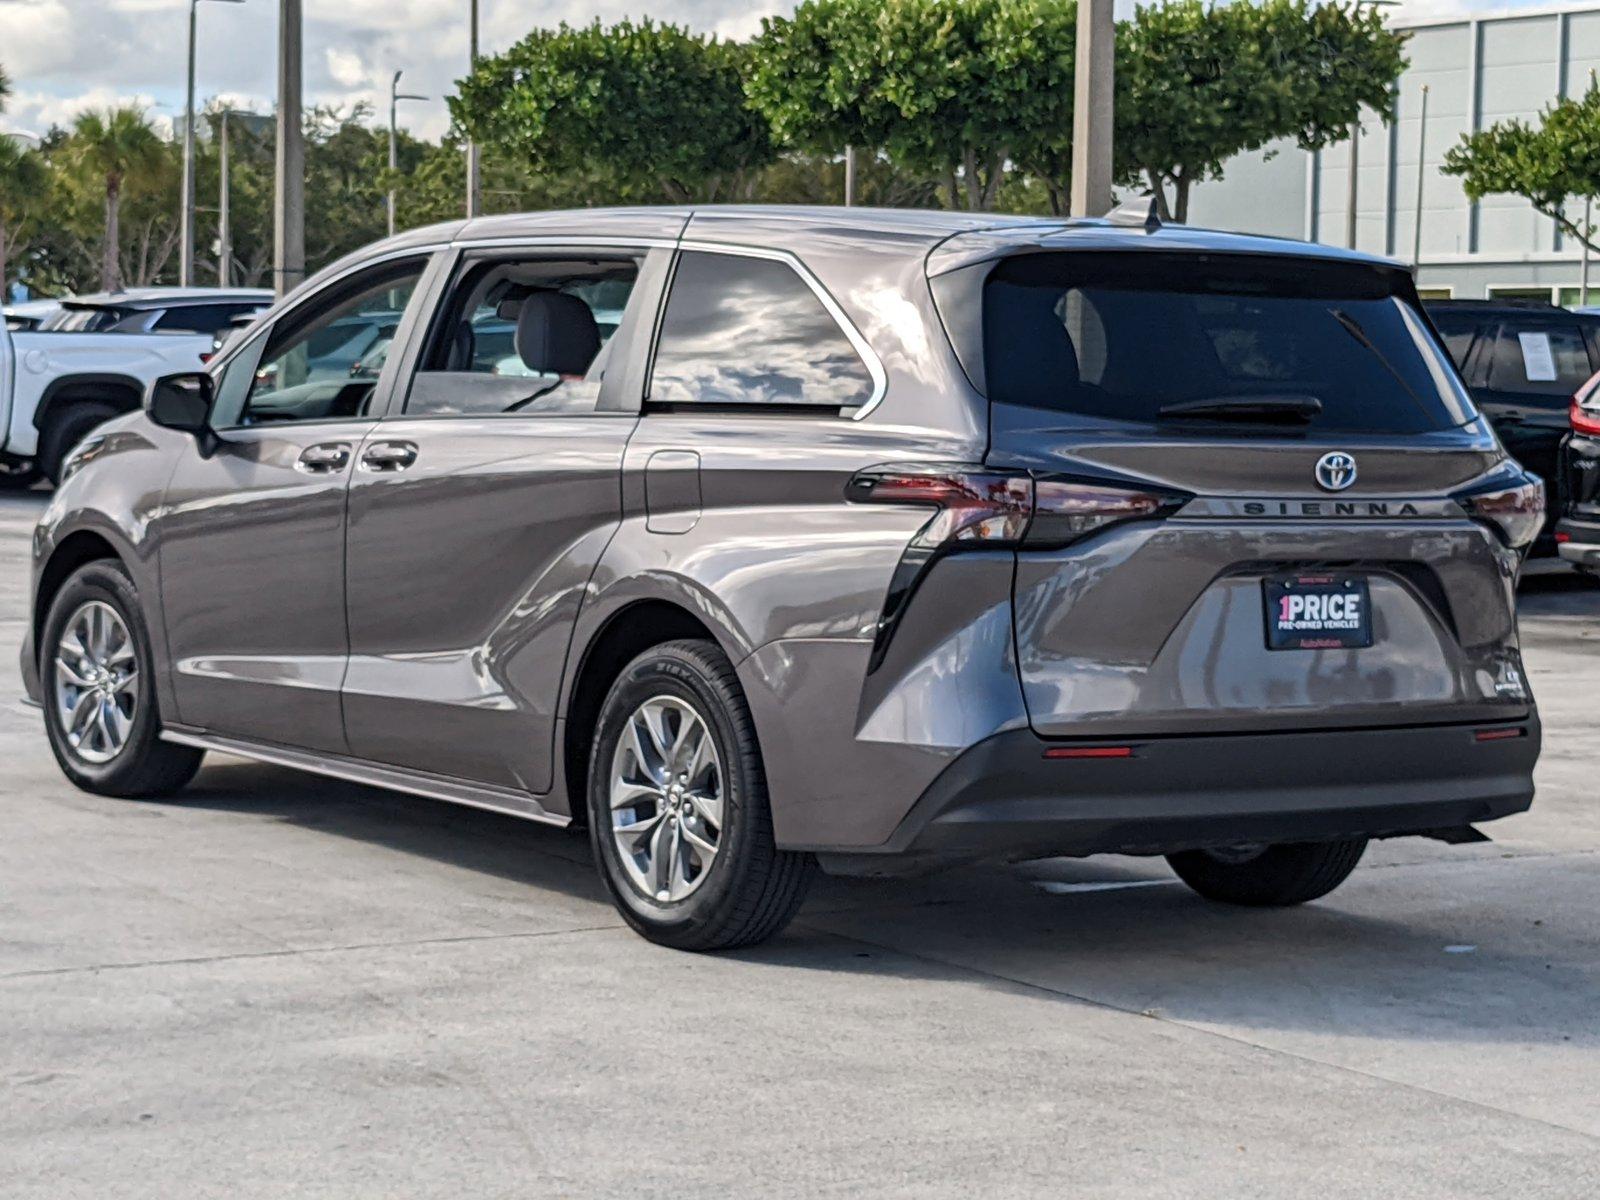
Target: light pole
<point>474,166</point>
<point>186,236</point>
<point>289,171</point>
<point>395,96</point>
<point>1093,94</point>
<point>224,221</point>
<point>1422,163</point>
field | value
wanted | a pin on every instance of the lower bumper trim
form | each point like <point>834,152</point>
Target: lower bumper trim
<point>1003,799</point>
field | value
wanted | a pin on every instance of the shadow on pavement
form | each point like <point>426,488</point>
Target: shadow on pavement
<point>1456,958</point>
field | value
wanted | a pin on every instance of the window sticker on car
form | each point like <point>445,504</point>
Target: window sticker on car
<point>1538,363</point>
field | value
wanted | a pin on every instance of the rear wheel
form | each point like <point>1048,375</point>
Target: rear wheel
<point>1269,876</point>
<point>99,689</point>
<point>678,810</point>
<point>65,429</point>
<point>15,476</point>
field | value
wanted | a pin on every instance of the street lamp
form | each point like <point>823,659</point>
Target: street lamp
<point>474,165</point>
<point>395,96</point>
<point>186,237</point>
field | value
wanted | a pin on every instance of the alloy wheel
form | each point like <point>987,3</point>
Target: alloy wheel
<point>96,682</point>
<point>667,799</point>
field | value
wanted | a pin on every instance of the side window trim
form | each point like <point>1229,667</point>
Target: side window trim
<point>864,351</point>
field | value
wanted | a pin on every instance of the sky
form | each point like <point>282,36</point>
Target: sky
<point>67,55</point>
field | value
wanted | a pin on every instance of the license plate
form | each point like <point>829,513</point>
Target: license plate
<point>1318,612</point>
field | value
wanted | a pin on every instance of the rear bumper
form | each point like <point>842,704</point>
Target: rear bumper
<point>1579,542</point>
<point>1003,799</point>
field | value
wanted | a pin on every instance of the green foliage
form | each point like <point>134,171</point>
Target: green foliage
<point>1198,84</point>
<point>653,108</point>
<point>1548,164</point>
<point>949,89</point>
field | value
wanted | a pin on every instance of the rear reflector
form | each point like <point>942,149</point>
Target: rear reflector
<point>1089,752</point>
<point>1498,735</point>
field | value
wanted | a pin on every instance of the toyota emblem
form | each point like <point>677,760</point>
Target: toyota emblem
<point>1336,471</point>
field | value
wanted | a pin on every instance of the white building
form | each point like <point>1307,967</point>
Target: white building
<point>1478,70</point>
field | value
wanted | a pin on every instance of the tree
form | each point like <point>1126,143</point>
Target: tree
<point>22,182</point>
<point>119,149</point>
<point>657,110</point>
<point>961,90</point>
<point>1547,164</point>
<point>1198,84</point>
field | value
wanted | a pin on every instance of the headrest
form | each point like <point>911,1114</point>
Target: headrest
<point>556,334</point>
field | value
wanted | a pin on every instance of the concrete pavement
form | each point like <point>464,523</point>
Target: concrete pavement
<point>281,985</point>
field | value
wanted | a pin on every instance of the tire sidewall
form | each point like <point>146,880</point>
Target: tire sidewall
<point>667,670</point>
<point>108,582</point>
<point>66,431</point>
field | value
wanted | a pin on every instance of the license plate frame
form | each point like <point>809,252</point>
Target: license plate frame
<point>1311,610</point>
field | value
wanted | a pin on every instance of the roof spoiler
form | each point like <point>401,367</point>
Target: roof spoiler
<point>1141,212</point>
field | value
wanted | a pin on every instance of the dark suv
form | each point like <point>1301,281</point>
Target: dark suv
<point>1523,361</point>
<point>881,540</point>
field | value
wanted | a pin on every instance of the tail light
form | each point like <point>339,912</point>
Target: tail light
<point>978,508</point>
<point>1514,509</point>
<point>1585,413</point>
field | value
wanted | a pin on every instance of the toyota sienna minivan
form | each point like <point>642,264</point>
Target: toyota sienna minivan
<point>873,540</point>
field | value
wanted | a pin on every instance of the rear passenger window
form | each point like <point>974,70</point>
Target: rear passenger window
<point>523,335</point>
<point>1546,360</point>
<point>740,330</point>
<point>198,318</point>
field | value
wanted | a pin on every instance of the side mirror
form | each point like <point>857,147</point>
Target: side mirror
<point>181,402</point>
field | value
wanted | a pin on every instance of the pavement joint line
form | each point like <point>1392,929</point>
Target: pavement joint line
<point>1029,985</point>
<point>293,952</point>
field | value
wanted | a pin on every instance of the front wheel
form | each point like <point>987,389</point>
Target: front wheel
<point>1269,876</point>
<point>65,429</point>
<point>99,689</point>
<point>679,815</point>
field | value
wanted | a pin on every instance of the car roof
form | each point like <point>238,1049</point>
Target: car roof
<point>947,239</point>
<point>168,297</point>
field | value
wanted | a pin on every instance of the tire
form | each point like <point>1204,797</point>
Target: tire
<point>1274,877</point>
<point>65,429</point>
<point>747,889</point>
<point>16,477</point>
<point>142,765</point>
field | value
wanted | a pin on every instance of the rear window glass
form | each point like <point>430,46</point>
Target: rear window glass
<point>1132,337</point>
<point>1549,360</point>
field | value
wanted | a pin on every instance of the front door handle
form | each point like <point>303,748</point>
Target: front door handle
<point>388,456</point>
<point>323,458</point>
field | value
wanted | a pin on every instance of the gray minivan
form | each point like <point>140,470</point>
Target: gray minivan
<point>878,540</point>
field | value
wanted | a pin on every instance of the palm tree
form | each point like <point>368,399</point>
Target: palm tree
<point>118,148</point>
<point>5,88</point>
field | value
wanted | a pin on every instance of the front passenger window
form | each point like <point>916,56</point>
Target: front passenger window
<point>323,361</point>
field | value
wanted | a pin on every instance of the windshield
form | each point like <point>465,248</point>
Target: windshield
<point>1196,339</point>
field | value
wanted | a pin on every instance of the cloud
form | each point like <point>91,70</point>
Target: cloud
<point>346,67</point>
<point>63,55</point>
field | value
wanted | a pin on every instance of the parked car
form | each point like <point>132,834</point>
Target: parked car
<point>157,310</point>
<point>1578,531</point>
<point>880,540</point>
<point>56,387</point>
<point>29,314</point>
<point>1523,361</point>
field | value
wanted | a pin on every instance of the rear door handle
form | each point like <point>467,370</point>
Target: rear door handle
<point>323,458</point>
<point>388,456</point>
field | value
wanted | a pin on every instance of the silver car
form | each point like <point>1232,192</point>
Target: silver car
<point>874,540</point>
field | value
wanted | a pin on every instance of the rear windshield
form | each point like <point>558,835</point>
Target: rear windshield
<point>1131,337</point>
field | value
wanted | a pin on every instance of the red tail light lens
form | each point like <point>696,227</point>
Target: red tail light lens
<point>1515,509</point>
<point>982,507</point>
<point>1585,412</point>
<point>974,505</point>
<point>1065,510</point>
